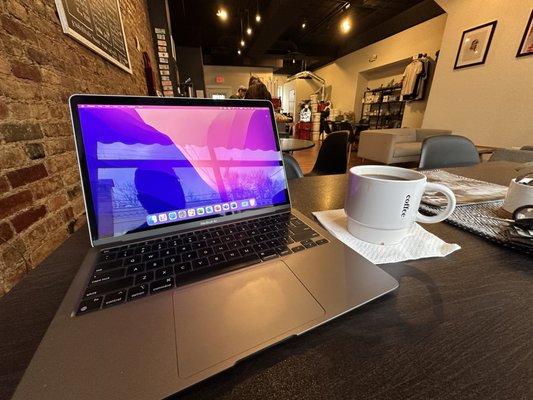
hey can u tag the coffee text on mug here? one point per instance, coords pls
(406, 205)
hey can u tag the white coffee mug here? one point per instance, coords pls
(382, 202)
(518, 195)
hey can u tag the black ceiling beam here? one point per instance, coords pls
(277, 18)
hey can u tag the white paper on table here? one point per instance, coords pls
(418, 243)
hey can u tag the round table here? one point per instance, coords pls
(287, 144)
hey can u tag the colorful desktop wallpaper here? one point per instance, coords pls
(144, 160)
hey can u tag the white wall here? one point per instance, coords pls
(239, 76)
(492, 104)
(345, 74)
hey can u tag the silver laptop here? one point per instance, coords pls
(197, 258)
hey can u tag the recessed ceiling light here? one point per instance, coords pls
(248, 31)
(222, 14)
(257, 18)
(242, 43)
(293, 61)
(304, 25)
(346, 25)
(239, 52)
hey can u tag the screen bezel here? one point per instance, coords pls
(78, 99)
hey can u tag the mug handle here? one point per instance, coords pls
(441, 216)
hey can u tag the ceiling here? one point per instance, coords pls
(279, 39)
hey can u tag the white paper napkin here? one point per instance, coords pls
(419, 243)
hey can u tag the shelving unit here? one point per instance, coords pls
(382, 107)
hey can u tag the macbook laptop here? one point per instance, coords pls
(197, 258)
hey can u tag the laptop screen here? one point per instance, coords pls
(154, 165)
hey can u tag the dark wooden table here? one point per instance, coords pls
(457, 328)
(289, 144)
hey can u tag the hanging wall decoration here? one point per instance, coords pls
(526, 45)
(474, 46)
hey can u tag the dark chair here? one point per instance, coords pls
(444, 151)
(333, 155)
(292, 168)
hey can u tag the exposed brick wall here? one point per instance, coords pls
(40, 67)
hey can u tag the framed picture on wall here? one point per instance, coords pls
(474, 46)
(526, 45)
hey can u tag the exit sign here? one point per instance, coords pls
(219, 79)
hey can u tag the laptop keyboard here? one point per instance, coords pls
(140, 269)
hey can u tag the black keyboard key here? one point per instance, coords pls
(214, 241)
(163, 272)
(200, 263)
(159, 246)
(321, 241)
(216, 259)
(125, 253)
(154, 264)
(102, 288)
(198, 245)
(246, 251)
(144, 277)
(107, 257)
(232, 254)
(137, 292)
(248, 241)
(108, 265)
(107, 276)
(295, 249)
(283, 250)
(135, 269)
(219, 248)
(162, 285)
(89, 305)
(133, 260)
(142, 250)
(183, 248)
(172, 260)
(227, 238)
(150, 256)
(203, 235)
(234, 245)
(167, 252)
(189, 256)
(112, 299)
(205, 252)
(268, 255)
(309, 244)
(183, 268)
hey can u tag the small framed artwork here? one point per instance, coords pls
(526, 45)
(474, 46)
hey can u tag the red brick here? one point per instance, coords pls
(4, 185)
(16, 28)
(37, 55)
(26, 71)
(6, 232)
(3, 109)
(18, 201)
(26, 175)
(27, 218)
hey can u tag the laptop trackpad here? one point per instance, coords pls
(238, 314)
